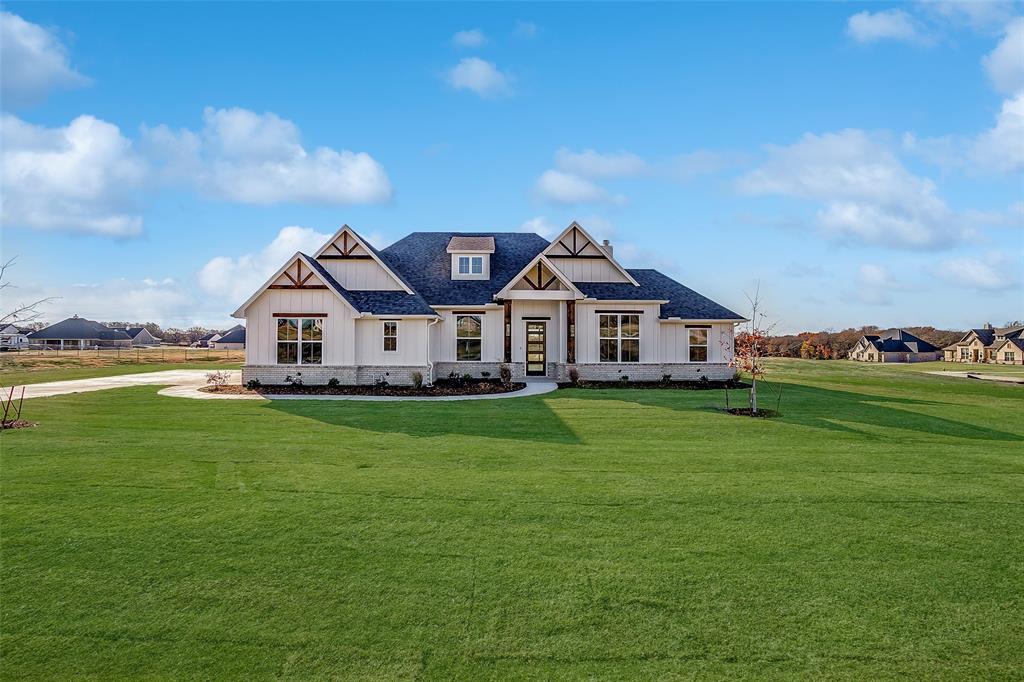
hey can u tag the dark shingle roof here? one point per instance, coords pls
(900, 341)
(79, 328)
(236, 335)
(683, 302)
(375, 302)
(423, 260)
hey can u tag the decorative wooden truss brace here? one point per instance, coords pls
(297, 277)
(570, 332)
(508, 331)
(540, 278)
(575, 244)
(345, 246)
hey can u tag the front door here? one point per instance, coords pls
(536, 349)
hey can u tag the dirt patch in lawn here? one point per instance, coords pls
(746, 412)
(440, 388)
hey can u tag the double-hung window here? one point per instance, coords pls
(698, 342)
(390, 336)
(619, 337)
(471, 265)
(300, 340)
(1008, 356)
(468, 333)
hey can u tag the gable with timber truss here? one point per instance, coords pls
(540, 277)
(581, 259)
(356, 265)
(297, 275)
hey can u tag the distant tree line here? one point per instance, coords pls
(171, 335)
(829, 345)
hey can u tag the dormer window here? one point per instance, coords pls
(471, 256)
(471, 265)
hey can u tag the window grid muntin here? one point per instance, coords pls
(619, 337)
(300, 340)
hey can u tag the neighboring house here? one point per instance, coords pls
(1010, 351)
(12, 336)
(232, 339)
(205, 341)
(894, 345)
(140, 336)
(78, 332)
(443, 303)
(982, 345)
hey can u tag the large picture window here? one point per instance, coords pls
(468, 332)
(619, 337)
(300, 340)
(390, 336)
(698, 338)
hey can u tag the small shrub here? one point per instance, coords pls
(381, 382)
(333, 382)
(624, 379)
(216, 379)
(294, 380)
(485, 374)
(253, 384)
(467, 377)
(417, 379)
(455, 379)
(574, 376)
(666, 378)
(703, 380)
(505, 373)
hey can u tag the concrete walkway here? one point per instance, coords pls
(978, 375)
(185, 383)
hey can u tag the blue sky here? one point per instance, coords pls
(861, 161)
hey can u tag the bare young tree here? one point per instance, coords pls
(23, 313)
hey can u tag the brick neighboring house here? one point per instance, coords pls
(436, 303)
(999, 346)
(894, 345)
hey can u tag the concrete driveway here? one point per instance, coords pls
(190, 378)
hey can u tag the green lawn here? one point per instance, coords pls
(875, 531)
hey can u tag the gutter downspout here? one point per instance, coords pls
(430, 364)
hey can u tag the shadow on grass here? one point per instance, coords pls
(525, 419)
(816, 408)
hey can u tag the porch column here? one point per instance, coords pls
(508, 330)
(570, 332)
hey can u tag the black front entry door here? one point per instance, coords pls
(536, 349)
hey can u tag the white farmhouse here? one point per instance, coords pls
(435, 303)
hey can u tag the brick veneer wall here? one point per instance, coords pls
(399, 375)
(650, 371)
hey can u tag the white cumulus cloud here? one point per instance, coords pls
(540, 225)
(473, 37)
(1005, 64)
(865, 193)
(566, 188)
(890, 24)
(252, 158)
(234, 278)
(996, 271)
(479, 76)
(33, 61)
(84, 177)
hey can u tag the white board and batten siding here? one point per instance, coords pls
(361, 274)
(588, 270)
(411, 342)
(492, 346)
(261, 325)
(675, 341)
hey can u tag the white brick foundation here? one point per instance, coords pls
(315, 375)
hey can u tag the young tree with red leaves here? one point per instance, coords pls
(751, 346)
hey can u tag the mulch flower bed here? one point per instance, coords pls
(745, 412)
(440, 388)
(17, 424)
(671, 385)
